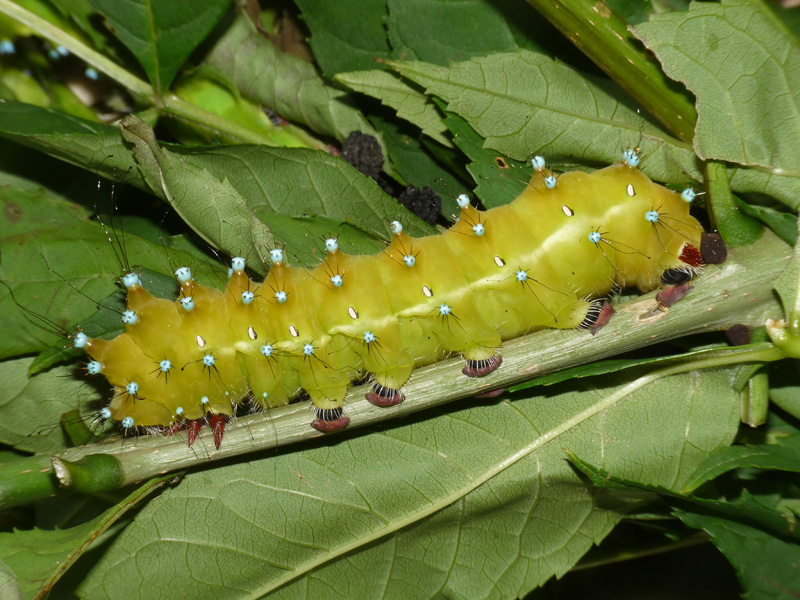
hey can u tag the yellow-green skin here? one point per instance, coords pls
(544, 232)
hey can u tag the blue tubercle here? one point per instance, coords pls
(105, 413)
(179, 411)
(276, 255)
(336, 280)
(409, 260)
(132, 388)
(130, 280)
(7, 47)
(208, 360)
(688, 194)
(631, 156)
(550, 181)
(595, 237)
(129, 317)
(204, 400)
(94, 367)
(369, 337)
(165, 365)
(238, 264)
(521, 276)
(266, 350)
(280, 296)
(397, 227)
(479, 229)
(444, 310)
(463, 201)
(80, 340)
(127, 422)
(247, 297)
(331, 244)
(308, 349)
(183, 274)
(187, 303)
(651, 216)
(91, 74)
(538, 162)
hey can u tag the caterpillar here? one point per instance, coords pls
(546, 260)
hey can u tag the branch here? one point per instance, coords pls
(740, 291)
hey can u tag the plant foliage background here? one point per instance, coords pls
(240, 123)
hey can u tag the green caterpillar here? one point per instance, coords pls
(541, 261)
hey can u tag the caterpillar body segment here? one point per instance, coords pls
(536, 263)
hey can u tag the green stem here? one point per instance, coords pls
(755, 400)
(736, 228)
(79, 49)
(738, 291)
(604, 37)
(26, 479)
(193, 114)
(758, 353)
(667, 545)
(169, 103)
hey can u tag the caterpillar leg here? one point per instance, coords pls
(482, 367)
(329, 419)
(193, 427)
(675, 286)
(599, 314)
(388, 381)
(384, 397)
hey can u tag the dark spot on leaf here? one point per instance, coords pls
(12, 212)
(501, 162)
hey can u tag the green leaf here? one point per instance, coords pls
(784, 456)
(31, 554)
(83, 15)
(32, 407)
(784, 224)
(413, 30)
(414, 162)
(745, 509)
(785, 333)
(784, 387)
(60, 265)
(612, 366)
(225, 221)
(9, 586)
(255, 188)
(745, 72)
(483, 493)
(410, 104)
(210, 90)
(767, 566)
(525, 103)
(83, 143)
(736, 228)
(342, 43)
(416, 30)
(499, 179)
(284, 82)
(161, 35)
